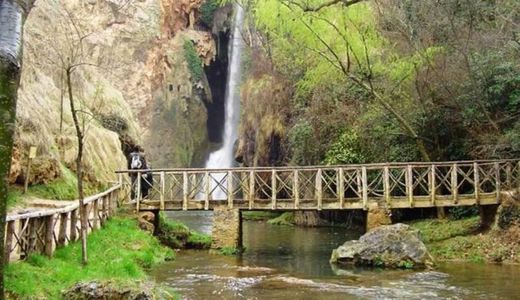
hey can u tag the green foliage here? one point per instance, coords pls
(406, 264)
(193, 60)
(229, 251)
(177, 235)
(285, 219)
(345, 150)
(14, 197)
(259, 215)
(302, 143)
(119, 252)
(63, 188)
(462, 212)
(207, 9)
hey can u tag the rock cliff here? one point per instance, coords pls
(134, 86)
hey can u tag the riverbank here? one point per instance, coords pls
(462, 240)
(120, 252)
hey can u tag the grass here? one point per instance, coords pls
(460, 240)
(14, 197)
(229, 251)
(119, 252)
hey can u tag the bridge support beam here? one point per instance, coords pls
(488, 214)
(227, 228)
(377, 216)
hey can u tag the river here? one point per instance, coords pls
(282, 262)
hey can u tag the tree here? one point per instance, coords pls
(12, 17)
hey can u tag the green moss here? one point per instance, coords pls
(119, 252)
(286, 219)
(177, 235)
(64, 188)
(193, 60)
(259, 215)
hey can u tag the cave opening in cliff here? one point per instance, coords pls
(217, 73)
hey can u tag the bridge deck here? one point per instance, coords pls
(395, 185)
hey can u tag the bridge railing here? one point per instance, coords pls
(396, 185)
(43, 231)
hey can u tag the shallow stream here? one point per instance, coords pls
(282, 262)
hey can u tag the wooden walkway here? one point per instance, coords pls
(41, 232)
(392, 185)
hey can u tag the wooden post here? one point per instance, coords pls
(409, 185)
(476, 179)
(62, 236)
(296, 189)
(359, 184)
(137, 204)
(341, 188)
(207, 190)
(497, 182)
(32, 235)
(95, 212)
(49, 235)
(73, 224)
(230, 188)
(274, 189)
(386, 185)
(508, 175)
(319, 195)
(454, 184)
(364, 187)
(163, 188)
(252, 192)
(185, 186)
(31, 156)
(9, 234)
(433, 185)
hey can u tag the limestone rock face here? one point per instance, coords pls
(392, 246)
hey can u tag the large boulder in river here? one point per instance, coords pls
(391, 246)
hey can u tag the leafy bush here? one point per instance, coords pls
(194, 61)
(346, 150)
(207, 10)
(462, 212)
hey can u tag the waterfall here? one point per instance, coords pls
(223, 157)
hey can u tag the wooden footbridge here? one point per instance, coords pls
(390, 185)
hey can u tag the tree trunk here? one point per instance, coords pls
(79, 171)
(11, 21)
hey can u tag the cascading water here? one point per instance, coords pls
(223, 157)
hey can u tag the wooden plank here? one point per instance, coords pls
(497, 182)
(409, 185)
(476, 182)
(9, 236)
(49, 236)
(252, 192)
(433, 184)
(274, 189)
(364, 187)
(359, 184)
(341, 187)
(185, 186)
(386, 185)
(62, 234)
(454, 183)
(230, 189)
(162, 182)
(296, 189)
(207, 190)
(319, 193)
(32, 236)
